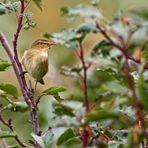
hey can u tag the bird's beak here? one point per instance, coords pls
(52, 43)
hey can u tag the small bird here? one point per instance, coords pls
(35, 59)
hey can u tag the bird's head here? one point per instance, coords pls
(43, 44)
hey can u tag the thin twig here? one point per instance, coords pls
(9, 125)
(84, 80)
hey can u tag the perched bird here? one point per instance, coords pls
(35, 59)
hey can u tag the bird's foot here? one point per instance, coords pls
(23, 73)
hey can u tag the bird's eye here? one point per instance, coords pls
(45, 43)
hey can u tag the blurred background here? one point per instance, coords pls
(50, 20)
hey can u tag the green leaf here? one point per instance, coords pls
(65, 136)
(17, 107)
(72, 143)
(9, 89)
(109, 75)
(38, 139)
(67, 37)
(102, 47)
(101, 114)
(60, 109)
(2, 9)
(142, 92)
(46, 140)
(54, 90)
(28, 21)
(38, 3)
(7, 134)
(81, 10)
(4, 65)
(87, 28)
(9, 7)
(141, 13)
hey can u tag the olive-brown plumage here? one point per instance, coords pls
(35, 59)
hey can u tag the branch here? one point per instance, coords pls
(17, 71)
(104, 33)
(9, 125)
(84, 78)
(19, 27)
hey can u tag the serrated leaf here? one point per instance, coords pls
(81, 10)
(9, 89)
(38, 3)
(4, 65)
(54, 90)
(101, 114)
(65, 136)
(60, 109)
(7, 134)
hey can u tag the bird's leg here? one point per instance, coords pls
(23, 73)
(31, 88)
(35, 86)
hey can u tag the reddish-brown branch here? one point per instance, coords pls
(85, 134)
(19, 27)
(131, 83)
(84, 78)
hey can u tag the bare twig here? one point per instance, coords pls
(9, 125)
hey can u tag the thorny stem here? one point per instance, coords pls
(9, 125)
(131, 83)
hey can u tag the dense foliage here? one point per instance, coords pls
(109, 105)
